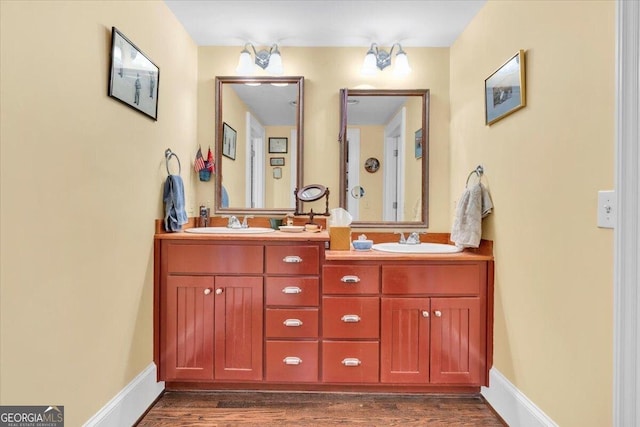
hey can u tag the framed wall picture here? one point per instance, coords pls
(276, 161)
(278, 145)
(504, 90)
(229, 139)
(277, 173)
(418, 144)
(134, 78)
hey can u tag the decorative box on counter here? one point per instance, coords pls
(339, 238)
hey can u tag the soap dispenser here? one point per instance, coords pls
(203, 219)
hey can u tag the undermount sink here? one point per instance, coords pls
(421, 248)
(226, 230)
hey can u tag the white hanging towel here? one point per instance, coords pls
(474, 205)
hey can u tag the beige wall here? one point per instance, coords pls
(234, 179)
(278, 192)
(544, 165)
(81, 185)
(326, 70)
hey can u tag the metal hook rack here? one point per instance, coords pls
(167, 156)
(479, 171)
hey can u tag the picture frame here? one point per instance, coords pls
(276, 161)
(505, 90)
(134, 79)
(277, 173)
(418, 144)
(229, 139)
(278, 145)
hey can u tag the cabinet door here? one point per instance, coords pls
(188, 343)
(456, 341)
(404, 340)
(238, 328)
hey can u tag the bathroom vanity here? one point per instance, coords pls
(279, 311)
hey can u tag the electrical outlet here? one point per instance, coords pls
(607, 209)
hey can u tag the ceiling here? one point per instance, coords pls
(416, 23)
(413, 23)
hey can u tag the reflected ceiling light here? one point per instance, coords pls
(269, 60)
(379, 59)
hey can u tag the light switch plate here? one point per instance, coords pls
(607, 209)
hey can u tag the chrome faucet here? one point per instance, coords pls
(244, 221)
(233, 222)
(413, 239)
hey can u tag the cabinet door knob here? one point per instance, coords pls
(292, 259)
(207, 291)
(438, 313)
(351, 361)
(425, 313)
(350, 279)
(291, 290)
(219, 291)
(350, 318)
(292, 360)
(292, 322)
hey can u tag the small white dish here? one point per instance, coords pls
(292, 228)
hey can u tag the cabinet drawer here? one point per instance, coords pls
(285, 323)
(351, 317)
(292, 291)
(350, 362)
(223, 259)
(450, 279)
(293, 260)
(292, 361)
(350, 279)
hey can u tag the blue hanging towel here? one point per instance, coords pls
(174, 213)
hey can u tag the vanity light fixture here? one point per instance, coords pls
(269, 60)
(379, 59)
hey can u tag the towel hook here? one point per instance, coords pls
(479, 171)
(167, 155)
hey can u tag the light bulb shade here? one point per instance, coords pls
(369, 67)
(401, 67)
(275, 64)
(245, 64)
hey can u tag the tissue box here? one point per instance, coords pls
(340, 238)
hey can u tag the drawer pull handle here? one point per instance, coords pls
(219, 291)
(425, 313)
(292, 360)
(292, 322)
(351, 361)
(350, 318)
(207, 291)
(291, 290)
(292, 259)
(438, 313)
(350, 279)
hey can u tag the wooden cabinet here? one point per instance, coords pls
(238, 328)
(211, 321)
(188, 341)
(292, 314)
(278, 315)
(439, 339)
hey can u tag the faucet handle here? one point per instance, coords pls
(244, 221)
(402, 239)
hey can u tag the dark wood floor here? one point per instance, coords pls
(318, 409)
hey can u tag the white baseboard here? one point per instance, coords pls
(512, 405)
(132, 401)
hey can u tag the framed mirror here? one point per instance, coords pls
(255, 118)
(384, 158)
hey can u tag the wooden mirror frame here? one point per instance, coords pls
(344, 96)
(220, 81)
